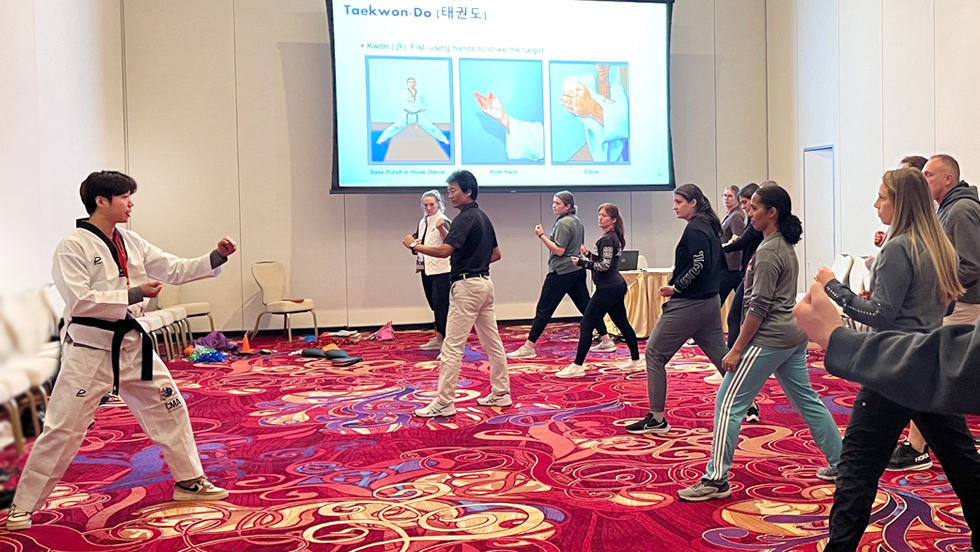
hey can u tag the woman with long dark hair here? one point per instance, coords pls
(912, 280)
(564, 277)
(693, 309)
(610, 291)
(770, 341)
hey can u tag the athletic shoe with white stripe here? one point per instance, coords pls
(649, 424)
(494, 399)
(436, 409)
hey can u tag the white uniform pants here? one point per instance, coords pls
(402, 122)
(471, 305)
(86, 376)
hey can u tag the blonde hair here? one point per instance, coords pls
(914, 215)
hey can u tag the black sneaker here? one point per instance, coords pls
(752, 415)
(649, 424)
(906, 458)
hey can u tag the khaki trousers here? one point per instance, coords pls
(471, 306)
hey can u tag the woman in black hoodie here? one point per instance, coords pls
(693, 310)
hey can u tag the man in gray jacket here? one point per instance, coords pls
(959, 212)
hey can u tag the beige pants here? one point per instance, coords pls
(963, 313)
(86, 375)
(471, 305)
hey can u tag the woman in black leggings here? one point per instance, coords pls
(564, 278)
(610, 291)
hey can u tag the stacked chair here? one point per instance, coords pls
(30, 354)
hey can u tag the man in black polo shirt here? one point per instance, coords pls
(472, 246)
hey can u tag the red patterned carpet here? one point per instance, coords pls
(324, 458)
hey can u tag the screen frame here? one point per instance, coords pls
(336, 188)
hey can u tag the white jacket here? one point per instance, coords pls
(433, 265)
(89, 281)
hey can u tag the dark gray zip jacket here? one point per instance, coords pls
(959, 212)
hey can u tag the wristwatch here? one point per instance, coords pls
(412, 247)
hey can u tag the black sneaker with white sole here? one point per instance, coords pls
(649, 424)
(752, 415)
(906, 458)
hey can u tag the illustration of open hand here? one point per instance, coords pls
(579, 101)
(492, 106)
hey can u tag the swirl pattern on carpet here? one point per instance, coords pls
(319, 457)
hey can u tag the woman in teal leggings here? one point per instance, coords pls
(769, 342)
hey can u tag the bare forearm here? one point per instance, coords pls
(552, 246)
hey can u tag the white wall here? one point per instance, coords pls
(228, 120)
(878, 80)
(61, 117)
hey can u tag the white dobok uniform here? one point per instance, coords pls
(525, 140)
(93, 286)
(413, 105)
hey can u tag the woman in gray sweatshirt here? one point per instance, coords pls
(912, 281)
(769, 342)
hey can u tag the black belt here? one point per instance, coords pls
(466, 275)
(119, 329)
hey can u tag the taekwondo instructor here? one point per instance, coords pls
(106, 275)
(472, 246)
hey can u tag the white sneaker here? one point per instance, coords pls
(604, 347)
(494, 399)
(638, 365)
(434, 344)
(714, 379)
(18, 520)
(526, 351)
(199, 489)
(572, 371)
(436, 409)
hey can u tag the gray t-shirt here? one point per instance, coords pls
(904, 294)
(770, 294)
(568, 233)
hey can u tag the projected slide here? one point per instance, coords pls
(508, 90)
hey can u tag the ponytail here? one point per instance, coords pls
(618, 226)
(773, 196)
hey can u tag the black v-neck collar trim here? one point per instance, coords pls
(86, 225)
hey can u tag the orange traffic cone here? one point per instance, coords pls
(246, 348)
